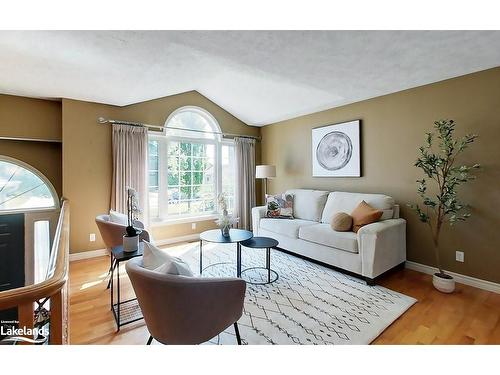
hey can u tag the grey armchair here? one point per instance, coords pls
(112, 235)
(182, 310)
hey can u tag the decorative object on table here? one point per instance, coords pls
(364, 214)
(279, 206)
(439, 165)
(225, 222)
(265, 172)
(336, 150)
(131, 238)
(341, 222)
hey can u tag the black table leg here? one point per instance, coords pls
(118, 294)
(110, 272)
(238, 259)
(201, 257)
(111, 280)
(268, 264)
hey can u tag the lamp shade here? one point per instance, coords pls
(265, 171)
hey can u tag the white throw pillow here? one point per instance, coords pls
(157, 260)
(176, 267)
(118, 217)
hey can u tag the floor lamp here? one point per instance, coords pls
(265, 172)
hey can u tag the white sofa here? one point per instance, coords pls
(376, 247)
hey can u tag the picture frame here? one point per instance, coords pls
(336, 150)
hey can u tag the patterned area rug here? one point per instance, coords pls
(308, 304)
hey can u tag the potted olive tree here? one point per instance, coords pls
(440, 206)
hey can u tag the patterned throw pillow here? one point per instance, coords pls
(279, 206)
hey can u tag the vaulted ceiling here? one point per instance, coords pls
(259, 76)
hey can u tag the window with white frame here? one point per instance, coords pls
(189, 166)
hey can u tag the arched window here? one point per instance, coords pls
(198, 123)
(23, 188)
(189, 165)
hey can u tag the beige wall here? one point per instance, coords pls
(45, 157)
(33, 118)
(87, 158)
(392, 128)
(87, 168)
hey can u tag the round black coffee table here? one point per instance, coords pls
(262, 243)
(235, 236)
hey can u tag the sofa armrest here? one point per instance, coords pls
(382, 246)
(257, 214)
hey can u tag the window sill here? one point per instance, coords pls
(183, 220)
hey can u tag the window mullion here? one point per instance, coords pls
(163, 176)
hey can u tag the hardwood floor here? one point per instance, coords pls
(468, 316)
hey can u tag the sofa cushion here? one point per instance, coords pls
(323, 234)
(308, 204)
(289, 228)
(346, 202)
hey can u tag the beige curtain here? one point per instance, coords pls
(130, 157)
(245, 181)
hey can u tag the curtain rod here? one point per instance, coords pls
(30, 139)
(102, 120)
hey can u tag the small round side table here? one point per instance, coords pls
(262, 243)
(235, 235)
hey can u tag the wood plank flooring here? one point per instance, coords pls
(468, 316)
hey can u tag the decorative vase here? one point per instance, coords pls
(445, 284)
(130, 244)
(225, 231)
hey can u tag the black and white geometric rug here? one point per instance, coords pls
(308, 304)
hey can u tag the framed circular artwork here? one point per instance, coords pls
(336, 150)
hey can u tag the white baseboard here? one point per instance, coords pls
(462, 279)
(102, 252)
(88, 254)
(187, 238)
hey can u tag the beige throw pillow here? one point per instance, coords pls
(341, 222)
(364, 214)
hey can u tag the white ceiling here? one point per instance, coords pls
(258, 76)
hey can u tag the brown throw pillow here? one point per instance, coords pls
(364, 214)
(341, 222)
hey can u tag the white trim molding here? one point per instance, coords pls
(459, 278)
(88, 254)
(169, 241)
(102, 252)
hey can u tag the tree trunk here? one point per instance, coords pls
(435, 239)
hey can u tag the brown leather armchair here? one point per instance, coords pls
(112, 235)
(186, 310)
